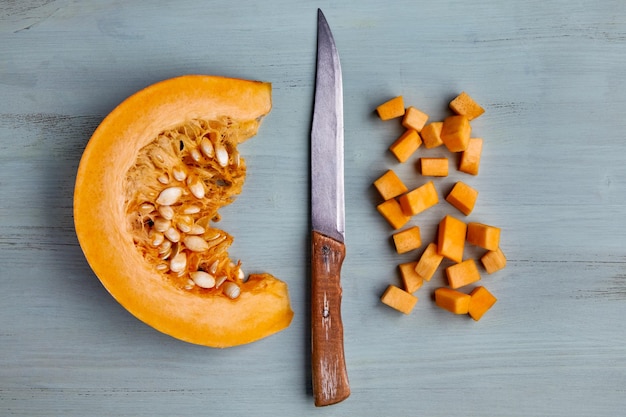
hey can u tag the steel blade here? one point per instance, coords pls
(327, 184)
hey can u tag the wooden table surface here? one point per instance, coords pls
(552, 78)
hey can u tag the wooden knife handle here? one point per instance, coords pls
(330, 379)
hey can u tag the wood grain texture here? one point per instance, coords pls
(328, 362)
(551, 75)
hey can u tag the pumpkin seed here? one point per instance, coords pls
(220, 281)
(216, 241)
(156, 238)
(169, 196)
(240, 275)
(195, 155)
(232, 290)
(213, 267)
(202, 279)
(172, 234)
(183, 227)
(197, 189)
(176, 248)
(146, 208)
(191, 209)
(195, 243)
(212, 234)
(196, 229)
(161, 224)
(207, 147)
(221, 154)
(184, 223)
(178, 262)
(165, 254)
(165, 246)
(179, 174)
(158, 157)
(167, 212)
(164, 178)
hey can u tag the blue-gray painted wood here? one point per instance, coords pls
(552, 78)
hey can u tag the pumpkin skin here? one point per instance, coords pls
(209, 319)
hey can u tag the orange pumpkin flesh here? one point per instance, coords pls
(149, 143)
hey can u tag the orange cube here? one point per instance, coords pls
(462, 274)
(454, 301)
(463, 197)
(483, 235)
(391, 109)
(389, 185)
(428, 262)
(414, 119)
(451, 238)
(493, 261)
(399, 299)
(406, 145)
(419, 199)
(480, 302)
(465, 105)
(455, 133)
(392, 212)
(470, 158)
(431, 135)
(407, 240)
(434, 167)
(412, 282)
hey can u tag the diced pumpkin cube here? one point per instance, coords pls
(480, 302)
(455, 133)
(407, 240)
(431, 135)
(493, 261)
(391, 109)
(462, 274)
(419, 199)
(483, 235)
(412, 282)
(389, 185)
(454, 301)
(451, 238)
(414, 119)
(434, 167)
(399, 299)
(465, 105)
(470, 158)
(406, 145)
(428, 262)
(463, 197)
(392, 212)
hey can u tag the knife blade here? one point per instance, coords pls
(330, 378)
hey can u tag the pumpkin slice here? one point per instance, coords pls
(148, 189)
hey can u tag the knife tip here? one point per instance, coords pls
(321, 19)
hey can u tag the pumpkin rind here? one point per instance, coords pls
(263, 308)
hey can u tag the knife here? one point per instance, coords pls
(330, 379)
